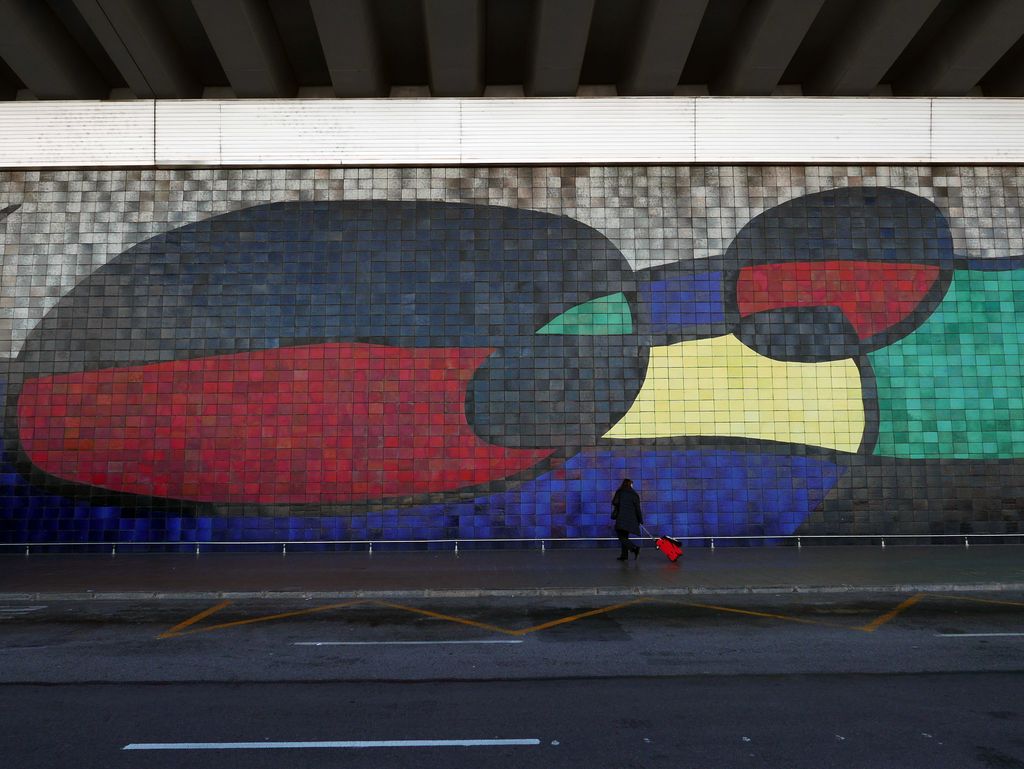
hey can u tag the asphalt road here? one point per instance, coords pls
(759, 681)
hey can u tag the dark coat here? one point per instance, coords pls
(626, 511)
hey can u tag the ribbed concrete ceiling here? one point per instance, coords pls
(89, 49)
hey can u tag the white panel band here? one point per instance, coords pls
(977, 130)
(447, 132)
(780, 130)
(48, 134)
(588, 131)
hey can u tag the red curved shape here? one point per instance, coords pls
(297, 425)
(872, 295)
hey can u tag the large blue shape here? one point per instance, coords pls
(688, 493)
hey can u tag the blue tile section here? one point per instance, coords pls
(682, 300)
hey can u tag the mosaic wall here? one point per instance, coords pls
(352, 354)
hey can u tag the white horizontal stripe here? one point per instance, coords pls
(450, 132)
(84, 133)
(405, 643)
(976, 635)
(773, 130)
(513, 131)
(329, 744)
(989, 131)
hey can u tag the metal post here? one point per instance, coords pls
(712, 543)
(113, 550)
(197, 548)
(456, 547)
(883, 543)
(799, 544)
(284, 548)
(27, 550)
(542, 546)
(371, 548)
(966, 543)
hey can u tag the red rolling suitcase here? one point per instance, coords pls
(672, 548)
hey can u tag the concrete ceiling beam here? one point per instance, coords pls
(455, 46)
(349, 41)
(966, 49)
(560, 32)
(1007, 79)
(245, 39)
(664, 39)
(880, 30)
(769, 33)
(141, 47)
(44, 55)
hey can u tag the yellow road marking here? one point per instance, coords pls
(185, 627)
(194, 619)
(978, 600)
(876, 623)
(253, 620)
(448, 617)
(766, 615)
(574, 617)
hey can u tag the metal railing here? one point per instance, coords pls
(539, 543)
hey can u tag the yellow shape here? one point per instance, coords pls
(721, 387)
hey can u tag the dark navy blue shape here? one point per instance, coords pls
(807, 334)
(408, 274)
(849, 223)
(557, 390)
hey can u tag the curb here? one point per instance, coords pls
(541, 592)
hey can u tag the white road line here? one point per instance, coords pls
(976, 635)
(20, 609)
(330, 744)
(406, 643)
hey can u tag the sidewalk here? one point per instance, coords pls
(821, 569)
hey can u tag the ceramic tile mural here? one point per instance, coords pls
(480, 353)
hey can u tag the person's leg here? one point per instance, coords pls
(623, 536)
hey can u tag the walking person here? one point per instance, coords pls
(628, 517)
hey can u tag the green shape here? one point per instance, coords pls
(602, 316)
(953, 388)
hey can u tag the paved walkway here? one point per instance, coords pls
(513, 572)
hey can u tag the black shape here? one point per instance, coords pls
(8, 210)
(410, 274)
(555, 391)
(885, 495)
(847, 224)
(806, 334)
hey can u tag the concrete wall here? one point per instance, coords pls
(351, 354)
